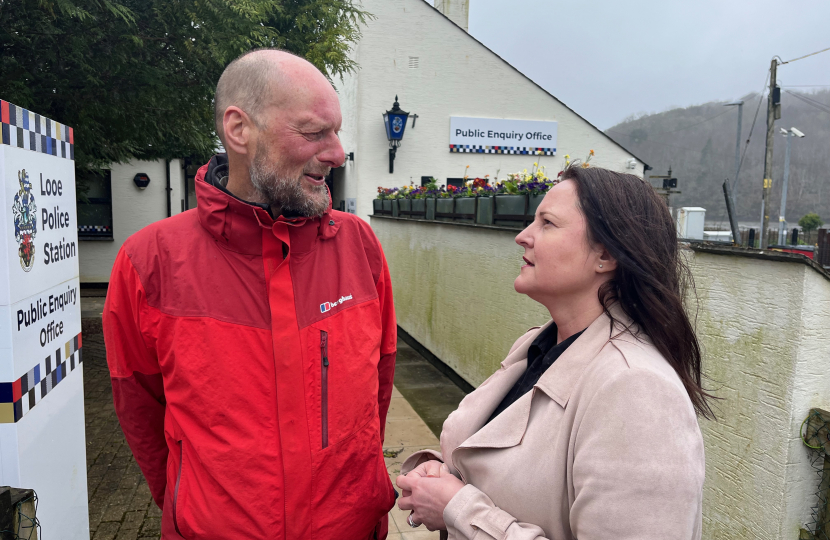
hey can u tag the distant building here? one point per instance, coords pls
(423, 55)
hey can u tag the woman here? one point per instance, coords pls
(589, 430)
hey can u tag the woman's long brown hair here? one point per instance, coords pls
(626, 216)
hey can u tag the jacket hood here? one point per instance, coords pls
(236, 223)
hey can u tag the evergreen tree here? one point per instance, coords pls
(135, 78)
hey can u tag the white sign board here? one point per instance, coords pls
(500, 136)
(42, 440)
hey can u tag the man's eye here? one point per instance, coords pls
(314, 136)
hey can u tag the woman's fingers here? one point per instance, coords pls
(405, 503)
(406, 482)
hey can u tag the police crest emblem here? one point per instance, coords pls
(25, 221)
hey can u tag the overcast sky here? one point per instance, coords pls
(608, 59)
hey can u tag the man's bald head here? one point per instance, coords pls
(256, 80)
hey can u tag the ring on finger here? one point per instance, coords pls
(412, 523)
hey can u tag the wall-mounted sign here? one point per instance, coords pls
(500, 136)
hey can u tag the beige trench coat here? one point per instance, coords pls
(605, 447)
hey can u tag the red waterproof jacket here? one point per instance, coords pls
(252, 362)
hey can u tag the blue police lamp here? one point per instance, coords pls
(395, 122)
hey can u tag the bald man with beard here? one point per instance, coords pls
(251, 341)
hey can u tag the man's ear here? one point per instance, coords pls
(606, 262)
(238, 130)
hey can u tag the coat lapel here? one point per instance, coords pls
(477, 407)
(508, 428)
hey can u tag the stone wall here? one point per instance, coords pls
(761, 324)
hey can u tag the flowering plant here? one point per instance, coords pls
(388, 193)
(576, 163)
(430, 190)
(535, 182)
(477, 187)
(448, 192)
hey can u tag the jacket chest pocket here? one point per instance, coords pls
(344, 371)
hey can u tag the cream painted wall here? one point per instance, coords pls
(457, 76)
(761, 324)
(132, 210)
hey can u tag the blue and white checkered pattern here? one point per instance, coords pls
(24, 129)
(518, 150)
(19, 397)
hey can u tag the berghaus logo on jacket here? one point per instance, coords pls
(327, 306)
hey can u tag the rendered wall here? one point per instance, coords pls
(762, 326)
(132, 210)
(456, 76)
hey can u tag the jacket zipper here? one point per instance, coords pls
(176, 490)
(324, 385)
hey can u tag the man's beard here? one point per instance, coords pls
(284, 193)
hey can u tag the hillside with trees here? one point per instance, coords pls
(698, 143)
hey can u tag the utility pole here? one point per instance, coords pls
(782, 223)
(773, 113)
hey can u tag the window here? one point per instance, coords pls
(94, 191)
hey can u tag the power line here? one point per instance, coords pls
(805, 56)
(809, 99)
(693, 125)
(817, 105)
(805, 86)
(751, 129)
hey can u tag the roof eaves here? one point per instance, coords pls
(646, 165)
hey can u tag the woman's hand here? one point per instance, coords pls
(427, 490)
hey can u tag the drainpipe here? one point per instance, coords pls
(185, 163)
(169, 189)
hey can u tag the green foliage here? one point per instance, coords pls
(136, 78)
(810, 222)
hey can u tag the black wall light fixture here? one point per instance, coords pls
(395, 122)
(141, 180)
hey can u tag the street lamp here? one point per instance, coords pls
(782, 224)
(395, 122)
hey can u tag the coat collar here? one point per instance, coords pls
(508, 428)
(238, 224)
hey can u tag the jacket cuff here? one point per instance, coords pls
(421, 456)
(470, 511)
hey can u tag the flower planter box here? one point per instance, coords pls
(390, 207)
(444, 209)
(382, 207)
(404, 207)
(511, 211)
(412, 208)
(430, 208)
(465, 209)
(484, 211)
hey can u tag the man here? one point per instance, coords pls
(251, 341)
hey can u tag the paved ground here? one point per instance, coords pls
(120, 506)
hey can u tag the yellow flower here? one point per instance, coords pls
(535, 164)
(567, 157)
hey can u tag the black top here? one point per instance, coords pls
(542, 353)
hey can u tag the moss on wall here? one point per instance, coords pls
(759, 325)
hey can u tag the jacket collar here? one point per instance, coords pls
(508, 428)
(238, 224)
